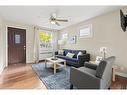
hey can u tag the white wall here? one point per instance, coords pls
(106, 32)
(2, 45)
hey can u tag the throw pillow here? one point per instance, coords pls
(70, 55)
(80, 53)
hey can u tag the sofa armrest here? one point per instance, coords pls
(56, 53)
(90, 65)
(83, 80)
(83, 58)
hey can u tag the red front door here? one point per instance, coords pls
(16, 45)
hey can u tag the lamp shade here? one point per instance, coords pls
(103, 50)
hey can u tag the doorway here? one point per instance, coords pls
(16, 45)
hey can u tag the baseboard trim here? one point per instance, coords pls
(1, 70)
(121, 74)
(30, 62)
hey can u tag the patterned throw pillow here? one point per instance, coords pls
(70, 55)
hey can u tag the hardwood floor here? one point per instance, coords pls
(22, 76)
(120, 83)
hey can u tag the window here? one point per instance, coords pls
(85, 31)
(17, 39)
(65, 36)
(45, 49)
(45, 39)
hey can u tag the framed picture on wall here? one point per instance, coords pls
(72, 40)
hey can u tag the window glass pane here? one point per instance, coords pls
(85, 32)
(17, 39)
(45, 37)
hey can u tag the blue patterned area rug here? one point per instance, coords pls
(58, 81)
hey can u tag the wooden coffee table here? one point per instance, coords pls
(56, 63)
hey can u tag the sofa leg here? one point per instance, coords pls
(71, 86)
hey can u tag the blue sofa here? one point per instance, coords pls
(76, 62)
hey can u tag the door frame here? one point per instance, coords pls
(13, 26)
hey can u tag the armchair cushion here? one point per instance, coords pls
(90, 65)
(82, 79)
(87, 70)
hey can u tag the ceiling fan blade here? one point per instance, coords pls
(57, 24)
(62, 20)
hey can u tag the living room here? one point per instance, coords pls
(85, 39)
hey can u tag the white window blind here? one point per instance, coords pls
(85, 31)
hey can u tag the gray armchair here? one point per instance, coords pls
(88, 78)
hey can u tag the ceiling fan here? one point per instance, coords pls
(54, 20)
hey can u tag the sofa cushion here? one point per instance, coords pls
(61, 56)
(100, 69)
(73, 51)
(66, 51)
(77, 51)
(67, 58)
(73, 59)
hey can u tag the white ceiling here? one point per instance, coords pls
(39, 15)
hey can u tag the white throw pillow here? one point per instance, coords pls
(80, 53)
(70, 55)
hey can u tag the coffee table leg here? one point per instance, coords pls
(45, 63)
(54, 68)
(65, 65)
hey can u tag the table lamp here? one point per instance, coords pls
(103, 50)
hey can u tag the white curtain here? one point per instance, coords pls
(54, 41)
(36, 45)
